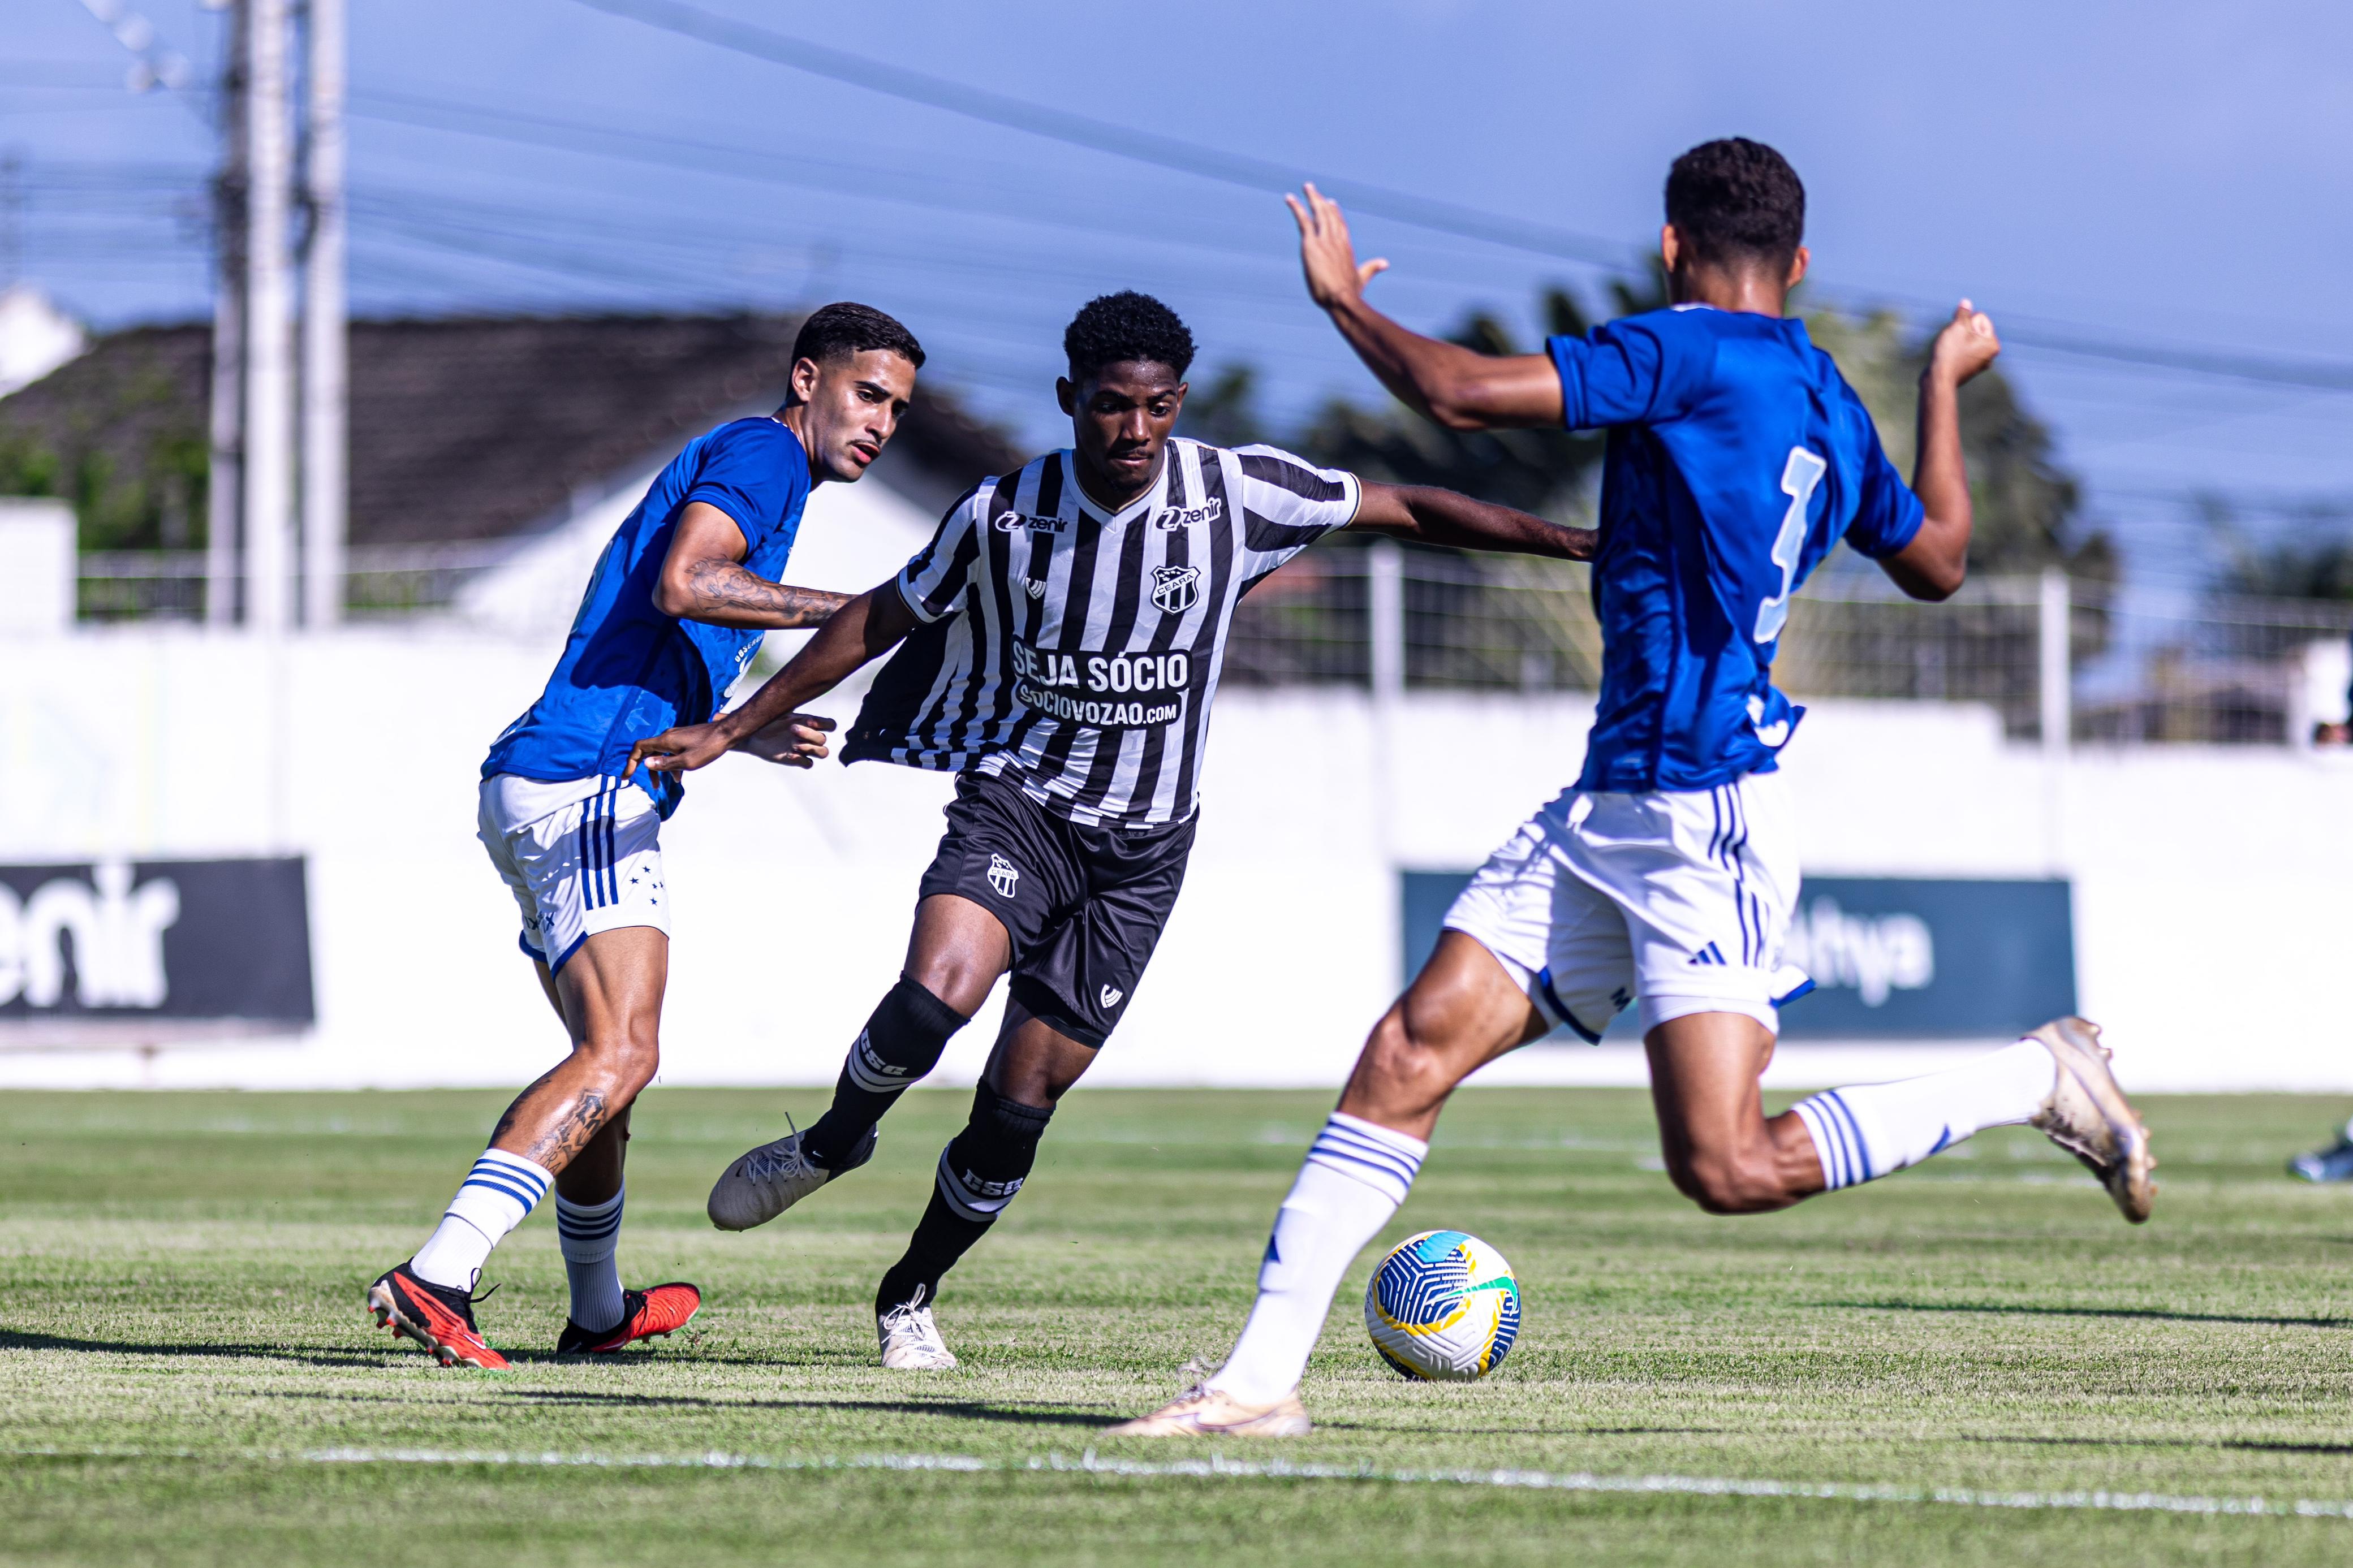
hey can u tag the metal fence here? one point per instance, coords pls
(379, 581)
(2207, 669)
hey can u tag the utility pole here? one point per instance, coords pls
(223, 501)
(325, 385)
(269, 348)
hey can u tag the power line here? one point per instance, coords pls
(1447, 217)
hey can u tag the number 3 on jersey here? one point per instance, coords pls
(1799, 477)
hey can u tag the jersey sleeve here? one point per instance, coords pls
(1288, 504)
(935, 578)
(1887, 515)
(1623, 373)
(749, 472)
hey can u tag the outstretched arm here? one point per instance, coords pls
(866, 627)
(1934, 564)
(1430, 516)
(703, 579)
(1457, 387)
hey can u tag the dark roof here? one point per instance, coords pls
(473, 428)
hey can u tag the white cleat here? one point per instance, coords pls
(772, 1178)
(1203, 1411)
(2088, 1115)
(910, 1341)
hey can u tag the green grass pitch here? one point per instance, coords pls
(1979, 1359)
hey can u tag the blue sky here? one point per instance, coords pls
(2161, 174)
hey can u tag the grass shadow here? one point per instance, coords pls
(1998, 1309)
(2242, 1445)
(19, 1340)
(959, 1409)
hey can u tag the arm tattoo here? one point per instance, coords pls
(724, 590)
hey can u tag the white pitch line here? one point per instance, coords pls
(1219, 1467)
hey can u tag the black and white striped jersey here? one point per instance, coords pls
(1077, 651)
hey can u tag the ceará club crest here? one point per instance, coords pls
(1175, 589)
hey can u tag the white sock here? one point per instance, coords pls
(588, 1233)
(492, 1200)
(1876, 1130)
(1352, 1181)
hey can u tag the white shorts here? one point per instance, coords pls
(580, 856)
(1678, 898)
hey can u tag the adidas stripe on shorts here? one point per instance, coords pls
(580, 856)
(1678, 900)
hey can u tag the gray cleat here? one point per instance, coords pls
(772, 1178)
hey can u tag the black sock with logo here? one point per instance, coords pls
(980, 1172)
(902, 1041)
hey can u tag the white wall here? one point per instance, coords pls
(2215, 887)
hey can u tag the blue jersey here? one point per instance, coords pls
(1738, 457)
(628, 671)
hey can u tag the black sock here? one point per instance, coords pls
(979, 1173)
(902, 1041)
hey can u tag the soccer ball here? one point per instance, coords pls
(1443, 1307)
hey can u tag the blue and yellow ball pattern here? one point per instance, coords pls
(1443, 1307)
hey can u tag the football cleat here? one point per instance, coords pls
(2088, 1115)
(910, 1341)
(772, 1178)
(645, 1314)
(440, 1318)
(2334, 1163)
(1203, 1411)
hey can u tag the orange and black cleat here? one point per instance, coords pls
(644, 1313)
(437, 1317)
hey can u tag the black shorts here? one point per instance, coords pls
(1084, 906)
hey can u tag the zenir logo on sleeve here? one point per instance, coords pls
(1011, 521)
(1175, 589)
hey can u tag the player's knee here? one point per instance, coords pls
(1728, 1180)
(1405, 1062)
(626, 1055)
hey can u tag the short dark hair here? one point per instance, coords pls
(843, 328)
(1116, 328)
(1736, 201)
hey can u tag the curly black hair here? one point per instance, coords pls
(1737, 202)
(1124, 328)
(844, 328)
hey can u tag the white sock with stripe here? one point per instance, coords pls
(1352, 1181)
(588, 1234)
(1876, 1130)
(492, 1200)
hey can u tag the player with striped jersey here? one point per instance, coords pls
(1059, 643)
(1737, 459)
(675, 609)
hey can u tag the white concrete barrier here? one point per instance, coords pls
(2213, 885)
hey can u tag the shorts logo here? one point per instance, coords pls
(1208, 511)
(1111, 995)
(1175, 589)
(1002, 875)
(1709, 954)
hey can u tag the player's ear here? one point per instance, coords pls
(804, 380)
(1798, 264)
(1066, 394)
(1671, 247)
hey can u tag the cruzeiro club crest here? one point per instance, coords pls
(1002, 875)
(1175, 589)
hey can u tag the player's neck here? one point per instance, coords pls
(1100, 490)
(793, 416)
(1748, 290)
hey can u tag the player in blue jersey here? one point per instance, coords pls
(676, 606)
(1737, 459)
